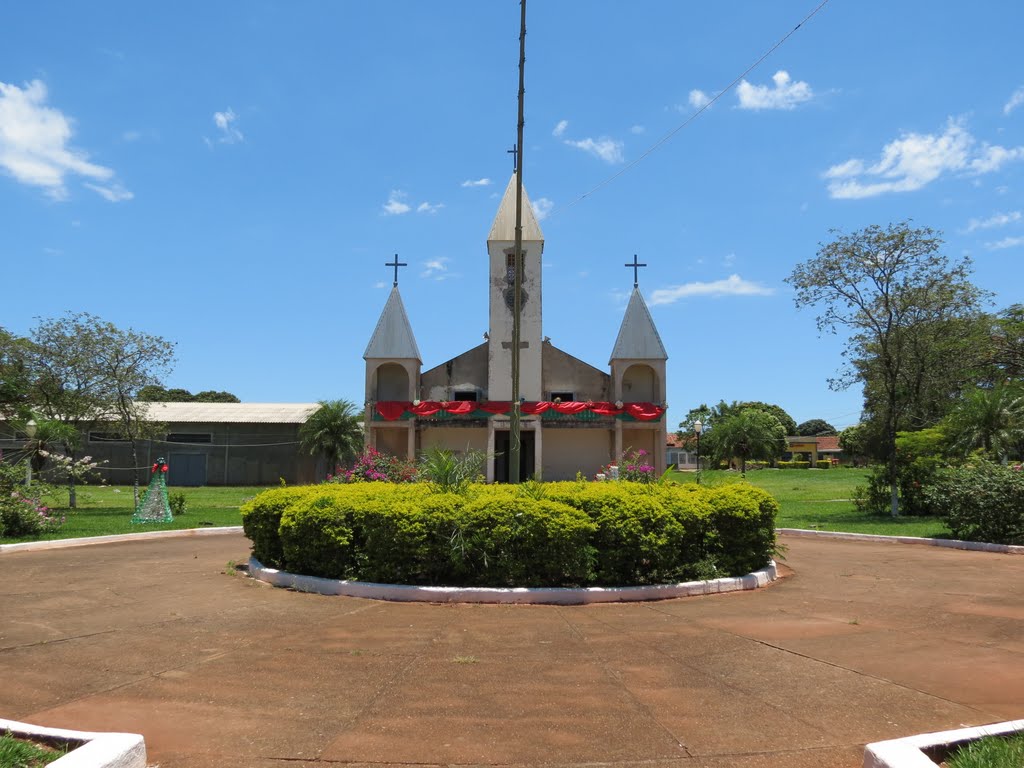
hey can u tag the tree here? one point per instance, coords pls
(334, 430)
(158, 394)
(815, 428)
(49, 434)
(895, 293)
(788, 422)
(88, 371)
(989, 419)
(212, 396)
(749, 434)
(15, 376)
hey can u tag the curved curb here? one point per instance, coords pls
(86, 541)
(95, 750)
(913, 751)
(975, 546)
(511, 595)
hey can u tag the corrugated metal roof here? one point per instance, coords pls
(237, 413)
(393, 337)
(638, 338)
(503, 230)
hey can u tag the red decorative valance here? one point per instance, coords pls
(392, 410)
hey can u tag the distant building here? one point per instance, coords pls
(208, 444)
(815, 449)
(576, 417)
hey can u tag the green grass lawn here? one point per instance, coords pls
(104, 510)
(813, 499)
(822, 499)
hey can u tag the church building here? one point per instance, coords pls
(575, 417)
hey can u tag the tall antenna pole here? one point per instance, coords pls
(515, 446)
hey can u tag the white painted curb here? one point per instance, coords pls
(86, 541)
(909, 752)
(519, 595)
(977, 546)
(96, 750)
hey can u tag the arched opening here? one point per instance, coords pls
(640, 384)
(392, 382)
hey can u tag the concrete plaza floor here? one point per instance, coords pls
(859, 642)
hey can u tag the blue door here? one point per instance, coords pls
(187, 469)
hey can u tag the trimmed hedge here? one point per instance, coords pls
(554, 534)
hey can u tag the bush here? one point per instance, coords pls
(824, 464)
(758, 464)
(920, 456)
(981, 503)
(794, 464)
(570, 534)
(178, 502)
(22, 512)
(374, 466)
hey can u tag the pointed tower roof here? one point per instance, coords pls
(392, 338)
(638, 339)
(504, 227)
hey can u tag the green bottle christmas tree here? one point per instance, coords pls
(154, 507)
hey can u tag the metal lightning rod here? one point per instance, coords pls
(515, 446)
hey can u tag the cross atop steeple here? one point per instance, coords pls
(515, 156)
(635, 265)
(396, 264)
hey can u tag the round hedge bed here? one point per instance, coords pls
(564, 534)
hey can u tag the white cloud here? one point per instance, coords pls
(225, 121)
(605, 148)
(542, 206)
(1006, 242)
(636, 130)
(394, 206)
(915, 160)
(115, 193)
(484, 182)
(1015, 100)
(995, 220)
(436, 269)
(34, 143)
(559, 129)
(429, 207)
(733, 285)
(785, 94)
(699, 99)
(131, 136)
(729, 260)
(380, 284)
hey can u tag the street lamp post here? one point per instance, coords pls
(698, 427)
(30, 432)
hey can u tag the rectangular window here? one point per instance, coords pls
(189, 437)
(565, 397)
(465, 395)
(107, 437)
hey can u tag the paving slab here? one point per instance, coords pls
(858, 642)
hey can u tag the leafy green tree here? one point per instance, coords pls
(335, 431)
(50, 434)
(1008, 344)
(749, 434)
(15, 376)
(899, 297)
(989, 419)
(88, 372)
(212, 396)
(815, 428)
(788, 422)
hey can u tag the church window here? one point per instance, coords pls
(564, 397)
(465, 394)
(189, 437)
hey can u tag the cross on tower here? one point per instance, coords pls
(396, 264)
(635, 265)
(515, 156)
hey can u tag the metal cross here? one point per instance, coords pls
(515, 156)
(396, 264)
(635, 265)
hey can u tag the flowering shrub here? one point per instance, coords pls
(633, 467)
(64, 467)
(22, 512)
(374, 466)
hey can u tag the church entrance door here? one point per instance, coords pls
(526, 455)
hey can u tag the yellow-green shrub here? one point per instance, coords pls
(558, 534)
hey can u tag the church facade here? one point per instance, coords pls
(576, 418)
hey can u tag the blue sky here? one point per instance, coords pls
(233, 175)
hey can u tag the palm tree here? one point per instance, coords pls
(334, 430)
(990, 419)
(749, 434)
(48, 436)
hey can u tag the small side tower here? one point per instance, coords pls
(638, 376)
(393, 366)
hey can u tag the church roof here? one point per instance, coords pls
(504, 227)
(393, 338)
(638, 339)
